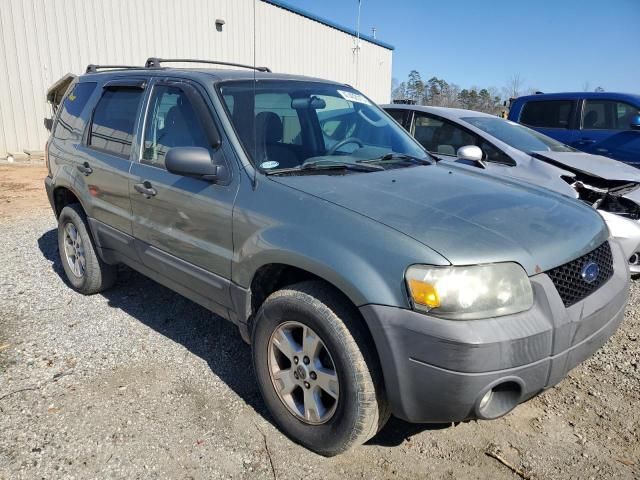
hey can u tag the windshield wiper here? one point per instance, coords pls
(395, 157)
(326, 165)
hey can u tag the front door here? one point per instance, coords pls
(182, 225)
(605, 130)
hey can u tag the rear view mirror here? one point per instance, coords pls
(471, 153)
(635, 123)
(313, 102)
(194, 162)
(48, 123)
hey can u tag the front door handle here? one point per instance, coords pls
(85, 168)
(585, 141)
(146, 189)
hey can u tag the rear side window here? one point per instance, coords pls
(70, 125)
(547, 114)
(607, 115)
(114, 120)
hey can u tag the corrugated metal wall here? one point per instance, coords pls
(41, 40)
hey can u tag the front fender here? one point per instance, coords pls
(363, 258)
(352, 273)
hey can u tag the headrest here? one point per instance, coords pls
(269, 127)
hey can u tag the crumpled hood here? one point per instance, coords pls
(595, 165)
(466, 217)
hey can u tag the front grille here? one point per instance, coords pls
(568, 278)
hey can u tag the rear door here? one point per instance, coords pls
(104, 161)
(555, 118)
(604, 130)
(183, 228)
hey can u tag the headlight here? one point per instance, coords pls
(467, 293)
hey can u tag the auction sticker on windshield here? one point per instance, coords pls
(354, 97)
(270, 164)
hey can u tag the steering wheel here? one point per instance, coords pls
(344, 142)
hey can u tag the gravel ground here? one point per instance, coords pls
(139, 382)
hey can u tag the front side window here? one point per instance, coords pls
(607, 115)
(547, 114)
(516, 135)
(291, 124)
(69, 124)
(114, 120)
(440, 136)
(171, 122)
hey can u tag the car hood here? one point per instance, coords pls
(465, 216)
(595, 165)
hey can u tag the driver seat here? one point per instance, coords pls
(269, 132)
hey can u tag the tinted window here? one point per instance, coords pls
(549, 114)
(114, 120)
(171, 122)
(607, 115)
(69, 124)
(398, 115)
(441, 136)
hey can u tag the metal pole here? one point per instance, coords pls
(358, 46)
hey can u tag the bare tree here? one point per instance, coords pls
(514, 85)
(586, 86)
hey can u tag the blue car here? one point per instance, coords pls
(601, 123)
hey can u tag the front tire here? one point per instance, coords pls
(317, 370)
(85, 270)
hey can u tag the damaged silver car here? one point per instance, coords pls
(505, 148)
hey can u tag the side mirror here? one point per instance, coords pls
(194, 162)
(471, 153)
(635, 123)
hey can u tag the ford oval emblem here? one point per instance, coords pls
(590, 272)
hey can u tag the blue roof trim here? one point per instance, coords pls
(329, 23)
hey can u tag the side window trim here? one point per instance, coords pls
(142, 84)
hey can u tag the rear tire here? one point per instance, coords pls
(85, 270)
(354, 406)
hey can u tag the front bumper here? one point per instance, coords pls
(438, 370)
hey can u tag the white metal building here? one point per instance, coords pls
(41, 40)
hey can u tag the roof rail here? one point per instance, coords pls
(91, 68)
(154, 62)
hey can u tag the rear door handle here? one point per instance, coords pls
(85, 168)
(145, 188)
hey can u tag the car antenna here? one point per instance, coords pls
(255, 128)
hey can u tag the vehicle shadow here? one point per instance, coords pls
(204, 334)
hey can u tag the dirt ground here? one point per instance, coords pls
(139, 382)
(21, 189)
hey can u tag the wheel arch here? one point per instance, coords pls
(63, 196)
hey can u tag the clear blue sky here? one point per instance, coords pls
(555, 45)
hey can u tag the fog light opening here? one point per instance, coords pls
(634, 259)
(499, 400)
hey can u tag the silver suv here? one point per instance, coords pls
(368, 278)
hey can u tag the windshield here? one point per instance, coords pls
(294, 125)
(517, 136)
